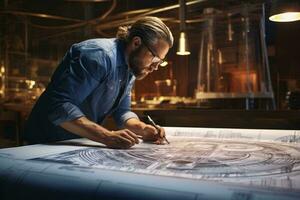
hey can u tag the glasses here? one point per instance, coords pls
(156, 58)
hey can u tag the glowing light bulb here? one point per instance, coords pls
(285, 17)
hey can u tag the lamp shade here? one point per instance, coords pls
(285, 11)
(183, 45)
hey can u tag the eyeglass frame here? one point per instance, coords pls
(153, 54)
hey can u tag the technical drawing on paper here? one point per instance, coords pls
(273, 164)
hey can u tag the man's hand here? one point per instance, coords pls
(121, 139)
(151, 134)
(147, 131)
(114, 139)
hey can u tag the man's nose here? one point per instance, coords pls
(154, 66)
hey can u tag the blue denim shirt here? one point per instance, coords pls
(93, 80)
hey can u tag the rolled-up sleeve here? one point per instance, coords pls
(123, 112)
(77, 76)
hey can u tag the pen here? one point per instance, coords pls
(154, 124)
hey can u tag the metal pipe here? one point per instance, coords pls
(112, 7)
(81, 22)
(182, 11)
(171, 7)
(109, 23)
(41, 15)
(265, 57)
(151, 12)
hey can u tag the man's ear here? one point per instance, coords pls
(136, 42)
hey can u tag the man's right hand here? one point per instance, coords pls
(121, 139)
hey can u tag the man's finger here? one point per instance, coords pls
(162, 132)
(120, 142)
(124, 142)
(133, 135)
(126, 135)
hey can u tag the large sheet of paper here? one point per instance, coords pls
(240, 162)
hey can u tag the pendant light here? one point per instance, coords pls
(183, 46)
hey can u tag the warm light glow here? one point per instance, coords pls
(285, 17)
(163, 64)
(30, 83)
(183, 45)
(183, 53)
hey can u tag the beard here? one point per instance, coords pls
(135, 64)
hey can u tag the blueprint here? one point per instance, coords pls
(237, 159)
(263, 164)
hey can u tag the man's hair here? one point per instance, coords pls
(149, 29)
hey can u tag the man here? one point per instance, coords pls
(94, 80)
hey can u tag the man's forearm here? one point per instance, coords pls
(135, 125)
(86, 128)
